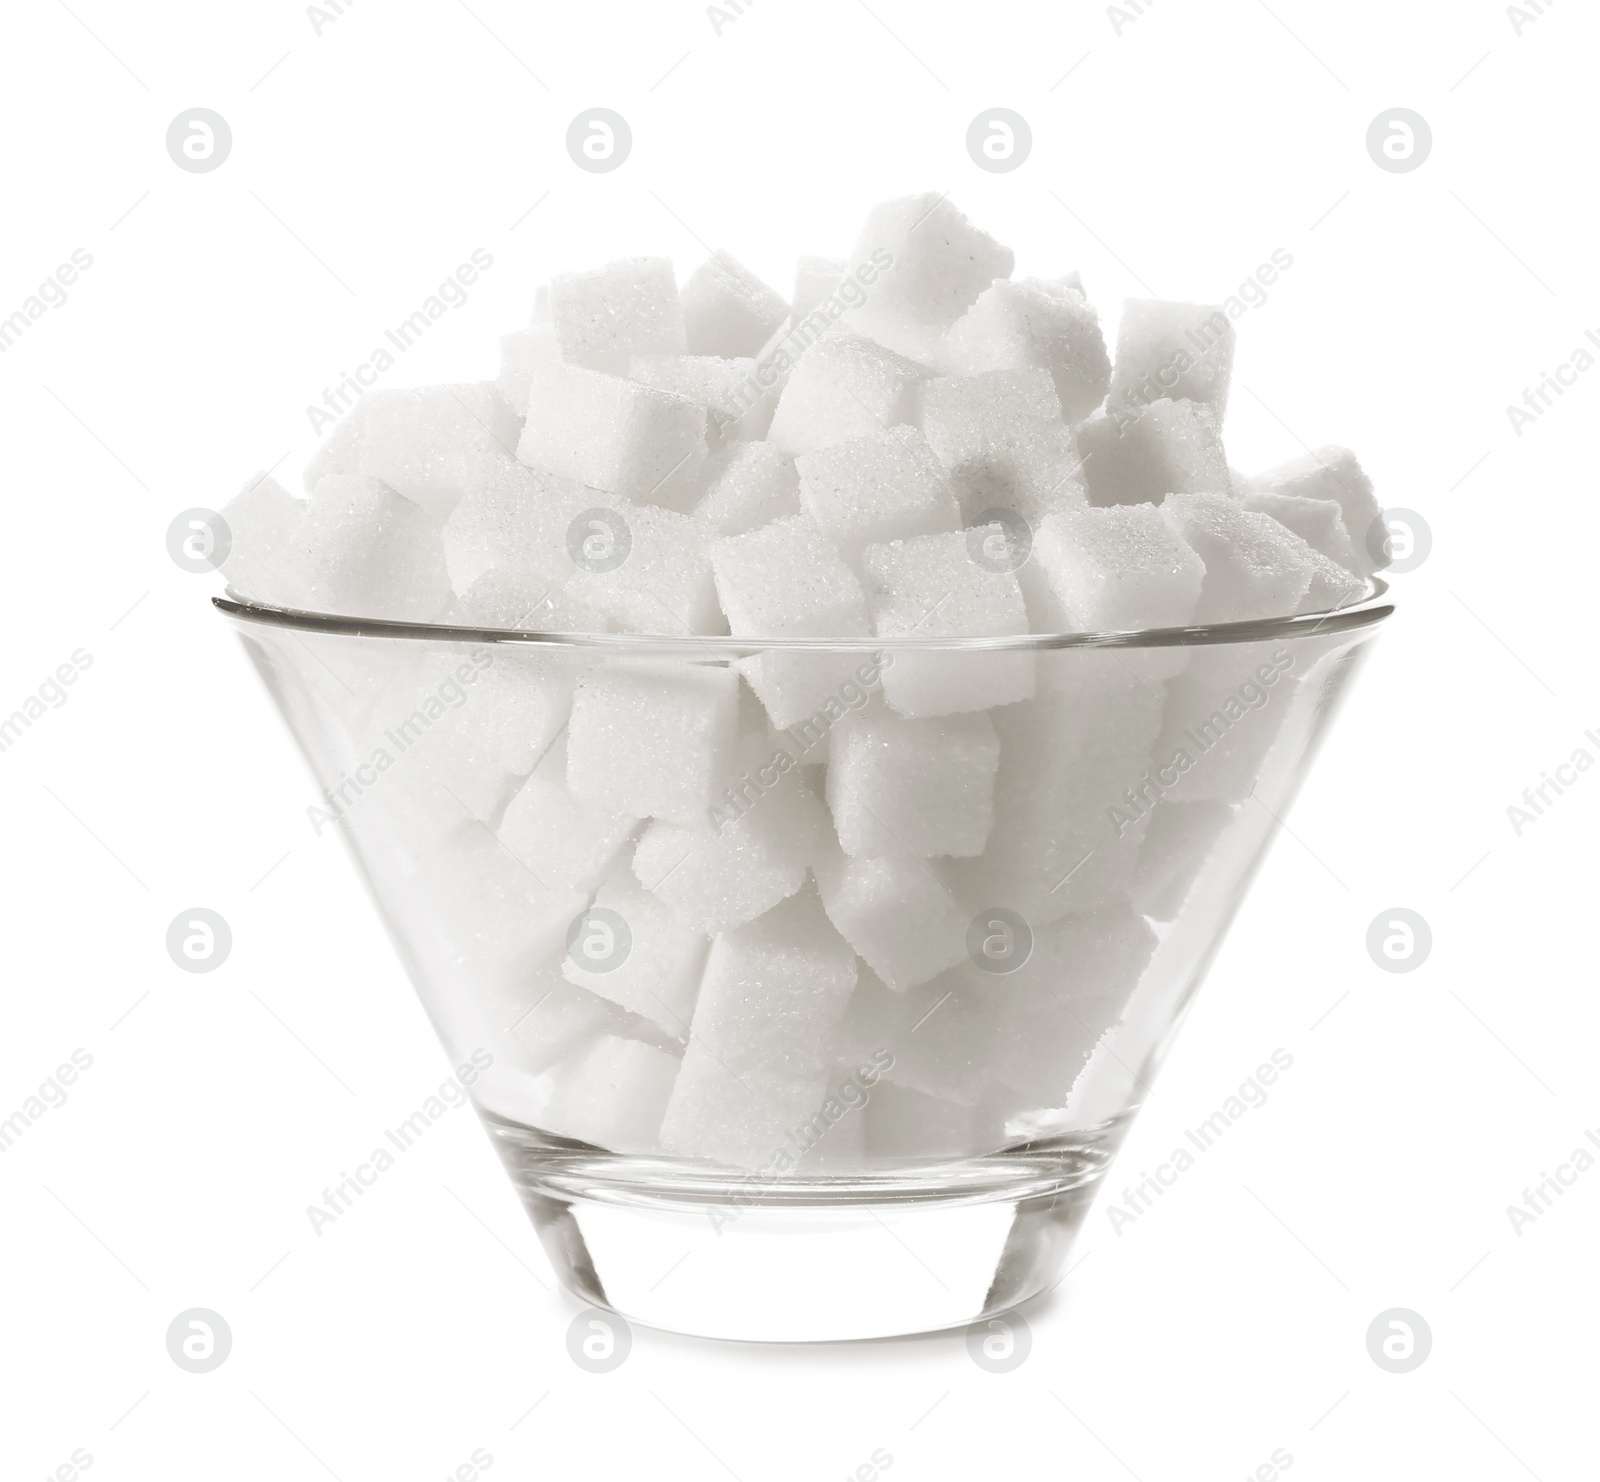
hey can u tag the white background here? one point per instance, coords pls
(369, 161)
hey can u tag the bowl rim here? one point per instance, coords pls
(1372, 610)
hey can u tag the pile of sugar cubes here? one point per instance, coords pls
(742, 908)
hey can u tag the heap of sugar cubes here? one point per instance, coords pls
(695, 902)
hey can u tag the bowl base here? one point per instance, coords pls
(913, 1248)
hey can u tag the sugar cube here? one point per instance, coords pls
(263, 521)
(614, 1096)
(545, 1019)
(362, 549)
(844, 387)
(727, 310)
(653, 739)
(521, 354)
(897, 915)
(1034, 323)
(614, 435)
(632, 949)
(1333, 473)
(748, 484)
(603, 318)
(340, 451)
(1063, 837)
(1111, 570)
(748, 853)
(1318, 522)
(763, 1040)
(424, 443)
(880, 487)
(932, 264)
(1175, 351)
(1135, 456)
(513, 518)
(1000, 436)
(1179, 840)
(1255, 568)
(565, 841)
(815, 278)
(934, 586)
(661, 584)
(738, 407)
(923, 786)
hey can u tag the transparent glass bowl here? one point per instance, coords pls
(713, 1131)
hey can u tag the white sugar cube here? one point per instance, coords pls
(1111, 570)
(525, 602)
(1318, 522)
(1333, 473)
(521, 354)
(489, 927)
(1141, 455)
(614, 1096)
(936, 586)
(513, 518)
(815, 278)
(340, 451)
(738, 407)
(1332, 586)
(1177, 844)
(748, 484)
(633, 950)
(262, 563)
(565, 841)
(764, 1038)
(883, 487)
(1174, 351)
(935, 1036)
(727, 310)
(654, 740)
(748, 853)
(786, 580)
(902, 1124)
(1254, 567)
(662, 584)
(362, 549)
(844, 387)
(425, 443)
(614, 435)
(923, 786)
(1001, 438)
(1034, 323)
(1065, 838)
(932, 265)
(603, 318)
(896, 914)
(465, 727)
(545, 1020)
(1221, 717)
